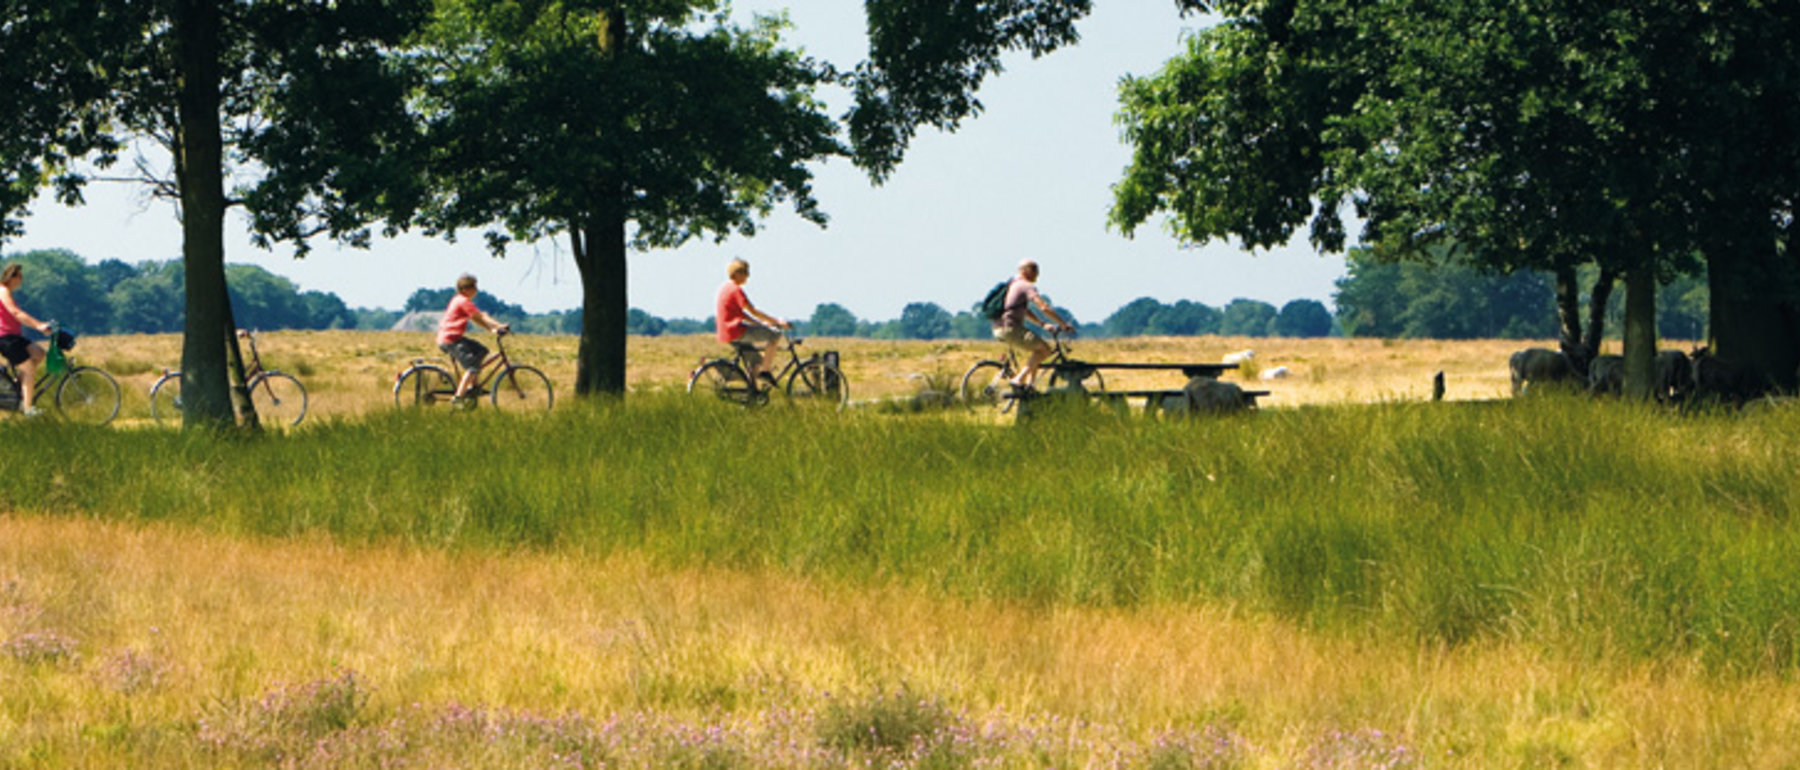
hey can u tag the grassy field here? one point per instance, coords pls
(1554, 582)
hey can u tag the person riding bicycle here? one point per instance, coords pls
(466, 352)
(741, 325)
(1012, 328)
(21, 353)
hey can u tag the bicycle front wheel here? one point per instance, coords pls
(88, 396)
(165, 398)
(278, 397)
(985, 383)
(522, 389)
(819, 381)
(723, 380)
(423, 386)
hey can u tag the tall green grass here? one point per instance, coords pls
(1600, 528)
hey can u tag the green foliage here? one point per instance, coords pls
(830, 319)
(1590, 526)
(1302, 318)
(1247, 318)
(924, 321)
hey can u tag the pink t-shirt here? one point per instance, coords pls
(9, 323)
(729, 312)
(1019, 297)
(456, 319)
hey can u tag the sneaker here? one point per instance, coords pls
(31, 411)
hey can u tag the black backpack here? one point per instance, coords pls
(994, 304)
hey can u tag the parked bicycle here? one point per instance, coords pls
(279, 397)
(987, 383)
(83, 394)
(511, 387)
(814, 378)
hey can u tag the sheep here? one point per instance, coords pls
(1541, 366)
(1239, 357)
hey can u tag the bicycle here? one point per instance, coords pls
(279, 397)
(987, 382)
(815, 378)
(512, 387)
(84, 394)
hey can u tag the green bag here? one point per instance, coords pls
(54, 361)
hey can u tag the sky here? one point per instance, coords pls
(1030, 177)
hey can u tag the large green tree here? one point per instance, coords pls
(619, 125)
(293, 97)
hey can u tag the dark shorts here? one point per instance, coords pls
(15, 348)
(467, 353)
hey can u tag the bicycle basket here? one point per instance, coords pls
(63, 339)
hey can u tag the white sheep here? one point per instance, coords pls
(1239, 357)
(1277, 373)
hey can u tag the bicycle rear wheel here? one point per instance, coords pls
(278, 397)
(88, 396)
(165, 398)
(985, 383)
(723, 380)
(422, 386)
(819, 381)
(522, 389)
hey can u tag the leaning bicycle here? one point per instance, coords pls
(988, 383)
(815, 378)
(83, 394)
(278, 397)
(510, 387)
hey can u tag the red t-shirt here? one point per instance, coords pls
(729, 312)
(456, 319)
(9, 323)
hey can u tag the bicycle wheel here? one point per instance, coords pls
(725, 381)
(522, 389)
(985, 383)
(278, 397)
(88, 396)
(819, 381)
(165, 398)
(422, 386)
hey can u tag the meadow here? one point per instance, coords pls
(1352, 577)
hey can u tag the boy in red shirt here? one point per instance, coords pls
(467, 352)
(736, 321)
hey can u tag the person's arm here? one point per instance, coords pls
(1050, 314)
(25, 318)
(765, 317)
(493, 324)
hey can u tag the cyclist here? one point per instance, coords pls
(19, 352)
(1012, 328)
(467, 352)
(739, 323)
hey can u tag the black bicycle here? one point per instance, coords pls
(84, 394)
(814, 378)
(511, 387)
(987, 383)
(279, 397)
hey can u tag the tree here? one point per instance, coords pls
(297, 91)
(1303, 318)
(924, 321)
(618, 124)
(1131, 318)
(1246, 318)
(830, 319)
(150, 302)
(642, 323)
(1184, 319)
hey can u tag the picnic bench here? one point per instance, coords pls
(1077, 371)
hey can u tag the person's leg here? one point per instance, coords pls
(28, 370)
(1039, 354)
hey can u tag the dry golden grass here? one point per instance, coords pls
(222, 621)
(350, 373)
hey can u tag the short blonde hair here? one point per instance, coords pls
(735, 266)
(465, 282)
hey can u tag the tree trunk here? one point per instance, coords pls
(1640, 335)
(1751, 308)
(240, 385)
(600, 254)
(205, 394)
(1597, 300)
(1568, 316)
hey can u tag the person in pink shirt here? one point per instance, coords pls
(18, 351)
(1021, 296)
(740, 324)
(467, 352)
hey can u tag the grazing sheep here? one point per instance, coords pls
(1606, 375)
(1674, 376)
(1277, 373)
(1720, 378)
(1239, 357)
(1542, 366)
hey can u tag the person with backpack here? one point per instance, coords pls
(21, 353)
(1009, 307)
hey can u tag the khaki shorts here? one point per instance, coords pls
(754, 339)
(1021, 337)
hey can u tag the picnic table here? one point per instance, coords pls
(1078, 371)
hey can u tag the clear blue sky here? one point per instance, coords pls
(1030, 177)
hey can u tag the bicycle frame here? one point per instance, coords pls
(788, 370)
(490, 368)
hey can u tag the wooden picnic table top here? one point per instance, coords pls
(1189, 369)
